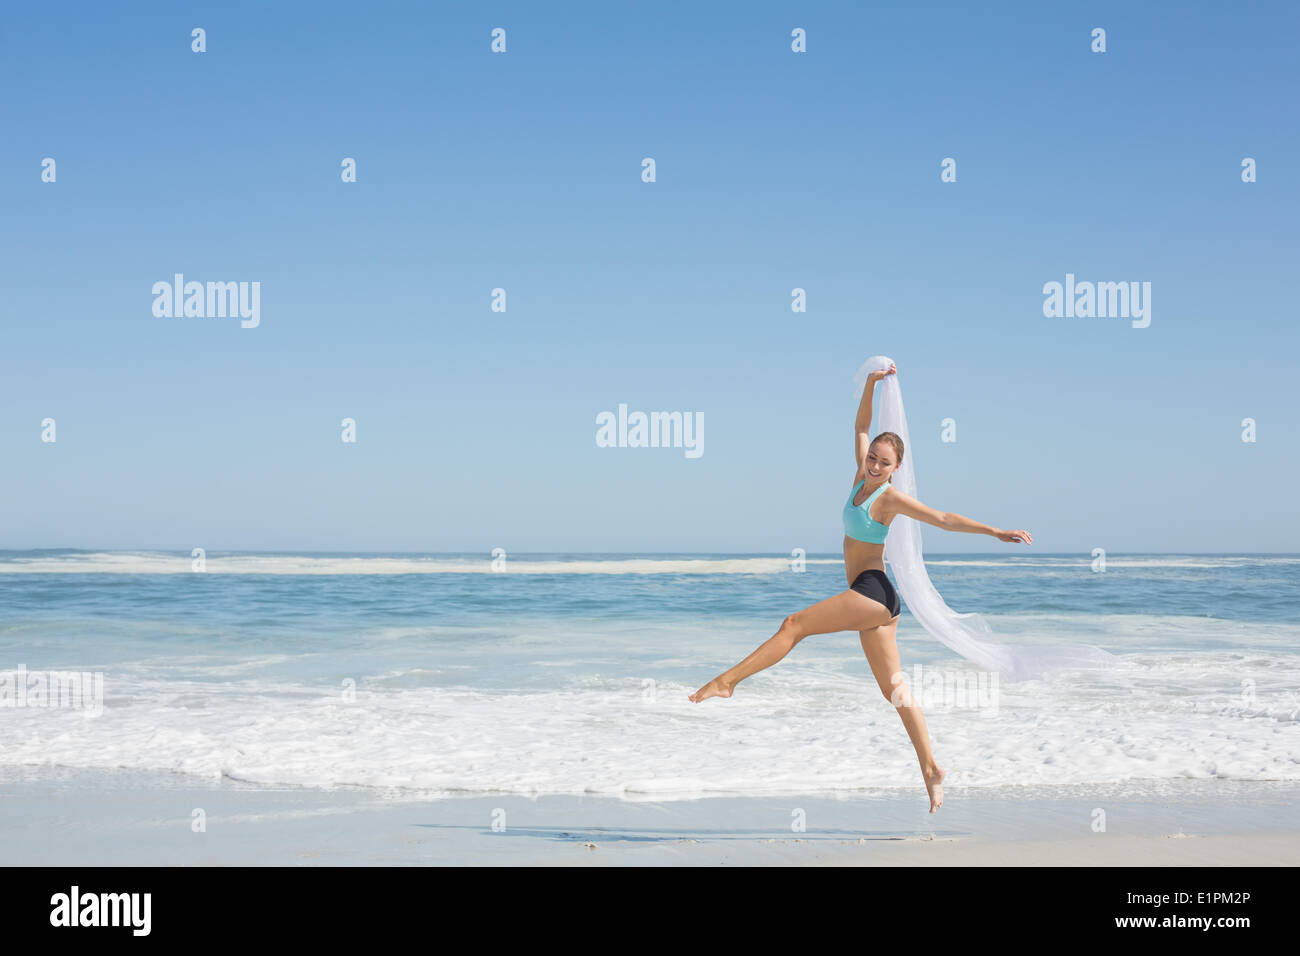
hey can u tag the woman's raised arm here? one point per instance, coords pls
(862, 424)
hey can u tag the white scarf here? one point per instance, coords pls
(967, 634)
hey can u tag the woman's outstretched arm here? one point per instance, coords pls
(905, 504)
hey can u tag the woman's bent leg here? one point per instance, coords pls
(846, 611)
(881, 648)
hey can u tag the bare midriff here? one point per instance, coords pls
(862, 556)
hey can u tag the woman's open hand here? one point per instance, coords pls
(1011, 537)
(877, 375)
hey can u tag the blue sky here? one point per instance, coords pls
(775, 170)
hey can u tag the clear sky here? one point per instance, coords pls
(523, 171)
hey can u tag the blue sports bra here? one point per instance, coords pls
(858, 523)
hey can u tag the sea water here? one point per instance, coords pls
(420, 675)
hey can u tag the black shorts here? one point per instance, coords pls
(876, 585)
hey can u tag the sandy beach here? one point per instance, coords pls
(95, 818)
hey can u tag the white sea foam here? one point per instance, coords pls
(814, 730)
(157, 562)
(1120, 561)
(154, 562)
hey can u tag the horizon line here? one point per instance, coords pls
(781, 554)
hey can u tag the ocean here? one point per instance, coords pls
(435, 675)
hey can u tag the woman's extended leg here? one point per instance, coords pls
(846, 611)
(881, 649)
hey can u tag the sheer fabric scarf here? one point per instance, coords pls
(967, 634)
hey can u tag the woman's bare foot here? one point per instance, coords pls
(934, 785)
(714, 688)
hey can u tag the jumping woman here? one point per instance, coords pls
(870, 606)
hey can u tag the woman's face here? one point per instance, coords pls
(880, 461)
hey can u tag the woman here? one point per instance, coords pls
(870, 606)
